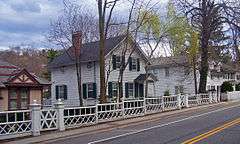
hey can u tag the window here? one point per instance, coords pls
(112, 89)
(18, 98)
(89, 65)
(179, 89)
(89, 90)
(13, 99)
(167, 72)
(232, 76)
(212, 88)
(61, 92)
(155, 71)
(117, 61)
(134, 64)
(208, 87)
(129, 90)
(238, 77)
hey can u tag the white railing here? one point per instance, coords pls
(154, 104)
(193, 100)
(79, 116)
(48, 119)
(170, 102)
(109, 111)
(15, 122)
(133, 108)
(203, 99)
(61, 118)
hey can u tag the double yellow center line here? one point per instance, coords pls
(212, 132)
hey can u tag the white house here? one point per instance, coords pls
(64, 77)
(174, 75)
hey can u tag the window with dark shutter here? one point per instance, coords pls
(84, 91)
(129, 90)
(61, 92)
(89, 90)
(110, 89)
(130, 63)
(138, 65)
(57, 92)
(65, 92)
(94, 90)
(126, 90)
(114, 62)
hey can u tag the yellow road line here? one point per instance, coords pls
(212, 132)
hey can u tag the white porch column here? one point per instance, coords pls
(36, 118)
(59, 106)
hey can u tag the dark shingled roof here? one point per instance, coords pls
(142, 77)
(168, 61)
(8, 71)
(89, 52)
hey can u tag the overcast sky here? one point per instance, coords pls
(27, 21)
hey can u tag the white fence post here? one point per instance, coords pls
(59, 106)
(210, 98)
(186, 101)
(96, 113)
(145, 105)
(36, 118)
(178, 101)
(163, 104)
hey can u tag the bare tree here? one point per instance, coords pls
(207, 16)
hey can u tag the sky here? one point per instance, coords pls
(27, 22)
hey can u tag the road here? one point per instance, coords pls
(213, 125)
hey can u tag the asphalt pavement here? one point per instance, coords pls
(213, 125)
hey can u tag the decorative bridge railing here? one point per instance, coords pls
(38, 119)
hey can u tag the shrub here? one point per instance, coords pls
(226, 87)
(238, 87)
(166, 93)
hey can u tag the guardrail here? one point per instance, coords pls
(38, 119)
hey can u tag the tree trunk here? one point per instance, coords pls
(103, 98)
(78, 70)
(205, 36)
(195, 75)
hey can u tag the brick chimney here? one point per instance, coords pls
(77, 42)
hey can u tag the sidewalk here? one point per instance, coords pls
(107, 126)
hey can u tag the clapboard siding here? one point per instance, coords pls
(92, 74)
(176, 77)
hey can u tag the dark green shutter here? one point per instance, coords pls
(84, 91)
(136, 89)
(141, 89)
(130, 63)
(114, 62)
(94, 90)
(65, 92)
(57, 92)
(126, 90)
(138, 65)
(110, 89)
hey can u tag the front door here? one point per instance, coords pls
(18, 98)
